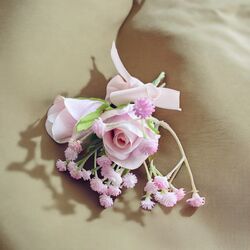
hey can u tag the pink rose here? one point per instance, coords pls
(123, 137)
(65, 113)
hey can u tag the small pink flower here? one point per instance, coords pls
(161, 182)
(150, 187)
(97, 185)
(112, 175)
(86, 174)
(196, 200)
(129, 180)
(71, 165)
(98, 127)
(106, 201)
(64, 114)
(144, 108)
(106, 171)
(158, 196)
(74, 171)
(104, 161)
(168, 199)
(61, 165)
(70, 154)
(75, 146)
(149, 147)
(180, 193)
(113, 191)
(147, 204)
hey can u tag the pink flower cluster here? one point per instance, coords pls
(144, 107)
(73, 150)
(161, 191)
(107, 181)
(111, 181)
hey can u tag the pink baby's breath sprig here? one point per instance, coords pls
(129, 180)
(106, 201)
(61, 165)
(147, 203)
(103, 161)
(144, 108)
(196, 200)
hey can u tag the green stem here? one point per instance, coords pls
(95, 163)
(146, 168)
(166, 126)
(158, 80)
(82, 162)
(176, 168)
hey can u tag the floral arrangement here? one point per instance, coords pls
(119, 134)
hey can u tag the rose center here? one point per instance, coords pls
(120, 139)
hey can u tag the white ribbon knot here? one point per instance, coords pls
(128, 89)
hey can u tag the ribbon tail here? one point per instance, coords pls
(128, 95)
(118, 63)
(168, 99)
(161, 97)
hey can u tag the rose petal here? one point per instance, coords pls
(79, 108)
(56, 108)
(62, 128)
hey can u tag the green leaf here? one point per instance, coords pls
(86, 122)
(151, 125)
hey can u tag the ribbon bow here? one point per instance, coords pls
(125, 88)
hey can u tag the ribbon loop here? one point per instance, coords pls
(122, 92)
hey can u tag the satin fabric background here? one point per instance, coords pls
(51, 47)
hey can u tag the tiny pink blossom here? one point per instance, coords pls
(149, 147)
(144, 107)
(147, 204)
(129, 180)
(75, 146)
(61, 165)
(98, 127)
(196, 200)
(106, 201)
(180, 193)
(113, 191)
(158, 196)
(74, 171)
(97, 185)
(109, 173)
(106, 171)
(71, 165)
(104, 161)
(86, 174)
(150, 187)
(161, 182)
(70, 154)
(168, 199)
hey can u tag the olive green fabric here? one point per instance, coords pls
(63, 47)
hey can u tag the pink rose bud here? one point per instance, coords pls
(65, 113)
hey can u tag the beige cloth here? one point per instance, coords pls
(46, 49)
